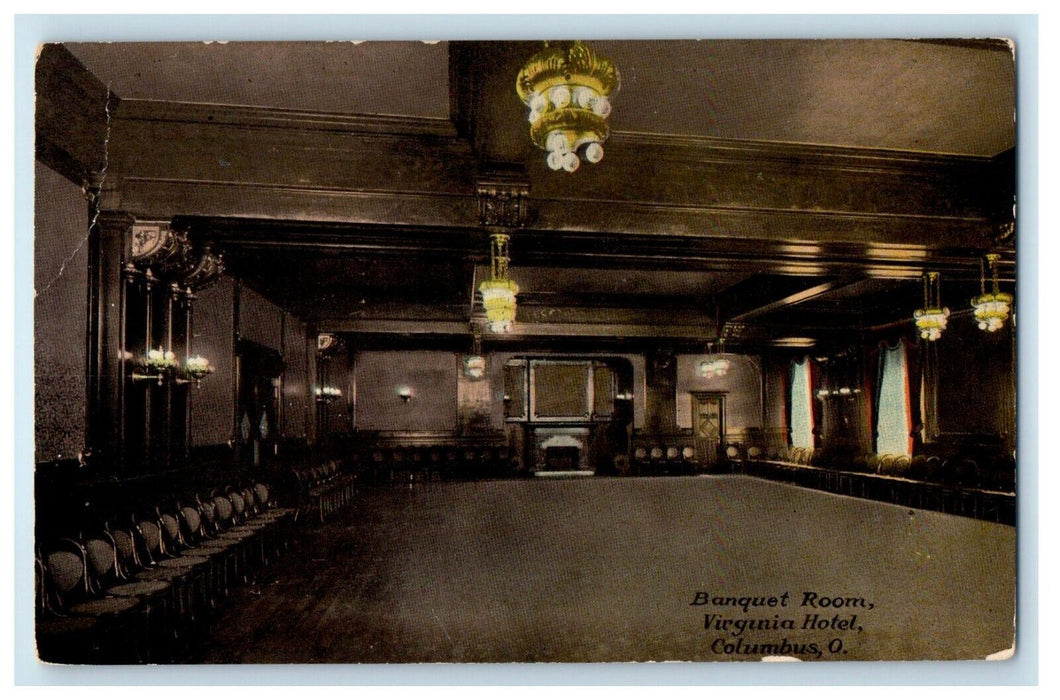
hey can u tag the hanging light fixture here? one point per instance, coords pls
(475, 363)
(931, 320)
(991, 310)
(499, 291)
(713, 365)
(568, 93)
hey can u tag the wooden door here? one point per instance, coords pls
(260, 370)
(709, 427)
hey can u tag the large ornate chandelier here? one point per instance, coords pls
(931, 320)
(991, 310)
(498, 292)
(568, 93)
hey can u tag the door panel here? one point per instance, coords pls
(709, 427)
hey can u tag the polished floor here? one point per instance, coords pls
(606, 569)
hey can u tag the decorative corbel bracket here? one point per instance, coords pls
(158, 246)
(502, 200)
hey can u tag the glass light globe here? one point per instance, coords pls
(557, 141)
(602, 107)
(555, 160)
(583, 97)
(538, 102)
(534, 116)
(499, 326)
(559, 96)
(570, 162)
(594, 152)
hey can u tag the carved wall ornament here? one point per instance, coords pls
(502, 202)
(151, 239)
(157, 246)
(329, 344)
(209, 267)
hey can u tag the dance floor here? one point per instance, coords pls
(607, 569)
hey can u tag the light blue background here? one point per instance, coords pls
(31, 30)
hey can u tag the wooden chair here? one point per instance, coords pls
(62, 638)
(185, 573)
(118, 623)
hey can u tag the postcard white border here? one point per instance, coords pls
(29, 30)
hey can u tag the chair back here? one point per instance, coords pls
(208, 510)
(193, 523)
(262, 493)
(125, 551)
(239, 506)
(64, 575)
(223, 509)
(917, 468)
(933, 469)
(151, 537)
(102, 561)
(252, 502)
(172, 540)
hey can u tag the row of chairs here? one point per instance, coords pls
(437, 463)
(664, 459)
(737, 452)
(961, 471)
(137, 588)
(956, 485)
(323, 489)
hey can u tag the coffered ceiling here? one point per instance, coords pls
(779, 187)
(948, 97)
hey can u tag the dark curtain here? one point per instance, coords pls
(914, 369)
(816, 407)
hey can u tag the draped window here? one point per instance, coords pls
(802, 419)
(894, 416)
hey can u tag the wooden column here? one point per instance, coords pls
(929, 365)
(661, 401)
(312, 382)
(108, 248)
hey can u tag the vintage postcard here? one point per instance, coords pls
(525, 351)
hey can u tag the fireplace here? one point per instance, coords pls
(557, 448)
(561, 458)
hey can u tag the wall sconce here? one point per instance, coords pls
(156, 364)
(475, 366)
(327, 394)
(624, 396)
(195, 368)
(405, 393)
(841, 392)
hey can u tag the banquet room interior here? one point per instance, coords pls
(484, 351)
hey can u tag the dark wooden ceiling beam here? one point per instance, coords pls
(173, 159)
(534, 247)
(73, 110)
(788, 301)
(416, 328)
